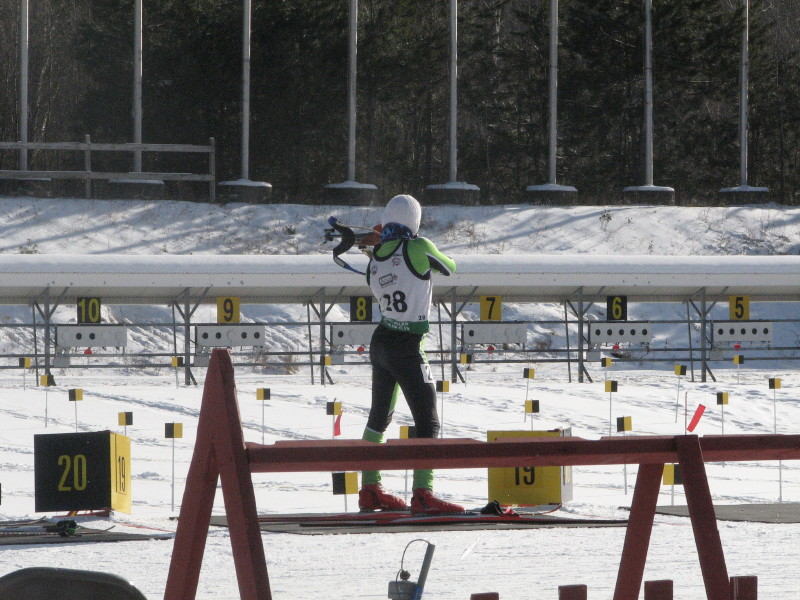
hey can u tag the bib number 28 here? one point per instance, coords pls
(395, 302)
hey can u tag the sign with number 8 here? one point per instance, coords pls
(360, 308)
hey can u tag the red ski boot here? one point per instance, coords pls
(373, 497)
(423, 502)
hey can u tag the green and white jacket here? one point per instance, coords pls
(399, 276)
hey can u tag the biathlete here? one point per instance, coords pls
(399, 275)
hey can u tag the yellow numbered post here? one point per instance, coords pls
(617, 308)
(739, 307)
(491, 308)
(528, 485)
(82, 471)
(89, 310)
(360, 309)
(228, 310)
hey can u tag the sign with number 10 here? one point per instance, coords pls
(89, 310)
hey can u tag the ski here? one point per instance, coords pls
(398, 521)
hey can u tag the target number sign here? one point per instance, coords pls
(739, 307)
(360, 309)
(89, 310)
(82, 471)
(617, 308)
(529, 485)
(227, 310)
(491, 308)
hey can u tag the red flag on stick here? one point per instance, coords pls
(337, 425)
(696, 418)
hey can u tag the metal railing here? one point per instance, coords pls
(88, 174)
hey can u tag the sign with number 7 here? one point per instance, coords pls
(491, 308)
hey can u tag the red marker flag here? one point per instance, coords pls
(696, 418)
(337, 425)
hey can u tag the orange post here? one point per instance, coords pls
(744, 588)
(572, 592)
(658, 590)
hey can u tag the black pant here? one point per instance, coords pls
(397, 358)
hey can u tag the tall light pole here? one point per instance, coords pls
(648, 187)
(350, 191)
(247, 15)
(23, 82)
(453, 90)
(137, 84)
(552, 75)
(744, 99)
(242, 189)
(352, 60)
(453, 190)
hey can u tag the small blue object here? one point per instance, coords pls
(332, 221)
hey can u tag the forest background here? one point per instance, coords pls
(81, 79)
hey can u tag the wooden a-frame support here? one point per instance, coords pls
(221, 454)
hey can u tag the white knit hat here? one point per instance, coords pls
(405, 210)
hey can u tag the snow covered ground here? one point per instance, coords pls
(523, 564)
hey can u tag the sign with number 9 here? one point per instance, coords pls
(227, 310)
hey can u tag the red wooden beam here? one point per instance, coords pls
(357, 455)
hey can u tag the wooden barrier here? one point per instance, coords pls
(658, 590)
(572, 592)
(744, 588)
(221, 453)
